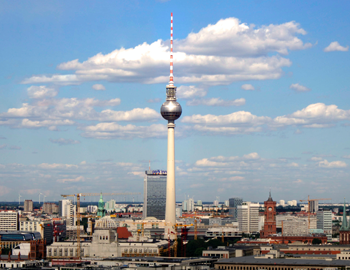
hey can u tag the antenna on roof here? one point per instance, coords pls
(171, 82)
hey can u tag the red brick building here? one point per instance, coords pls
(270, 218)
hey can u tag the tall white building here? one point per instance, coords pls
(248, 217)
(184, 205)
(227, 203)
(68, 210)
(216, 202)
(324, 222)
(282, 202)
(190, 205)
(8, 221)
(110, 205)
(313, 206)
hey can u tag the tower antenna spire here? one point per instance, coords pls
(171, 82)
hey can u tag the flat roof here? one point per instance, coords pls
(252, 260)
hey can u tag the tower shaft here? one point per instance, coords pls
(170, 186)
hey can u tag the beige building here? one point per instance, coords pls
(43, 227)
(105, 244)
(8, 221)
(50, 208)
(28, 206)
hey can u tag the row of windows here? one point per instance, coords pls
(259, 268)
(134, 250)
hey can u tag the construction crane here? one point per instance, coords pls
(308, 210)
(78, 195)
(175, 243)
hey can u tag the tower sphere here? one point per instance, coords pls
(171, 110)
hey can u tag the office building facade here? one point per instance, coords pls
(154, 193)
(28, 206)
(324, 222)
(233, 203)
(248, 217)
(9, 221)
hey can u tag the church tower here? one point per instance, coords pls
(270, 218)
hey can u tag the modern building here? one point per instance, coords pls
(68, 210)
(313, 206)
(154, 193)
(28, 206)
(50, 208)
(45, 228)
(324, 222)
(9, 221)
(248, 217)
(233, 203)
(110, 206)
(270, 218)
(184, 205)
(190, 205)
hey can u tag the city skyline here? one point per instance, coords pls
(263, 88)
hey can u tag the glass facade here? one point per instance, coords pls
(233, 203)
(154, 194)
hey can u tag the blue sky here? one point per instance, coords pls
(263, 85)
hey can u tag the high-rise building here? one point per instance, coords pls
(28, 206)
(199, 202)
(184, 205)
(248, 217)
(50, 208)
(270, 218)
(8, 221)
(233, 203)
(324, 222)
(227, 203)
(190, 205)
(282, 202)
(154, 193)
(216, 203)
(68, 210)
(110, 205)
(43, 227)
(313, 206)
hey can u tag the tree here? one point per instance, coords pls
(316, 241)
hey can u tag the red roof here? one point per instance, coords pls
(123, 233)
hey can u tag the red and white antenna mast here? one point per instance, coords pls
(171, 82)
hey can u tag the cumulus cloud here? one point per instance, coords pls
(335, 46)
(114, 130)
(237, 118)
(99, 87)
(216, 102)
(247, 87)
(62, 141)
(222, 53)
(299, 88)
(41, 92)
(333, 164)
(187, 92)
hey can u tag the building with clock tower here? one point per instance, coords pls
(270, 218)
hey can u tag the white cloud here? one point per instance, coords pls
(14, 147)
(335, 46)
(56, 166)
(316, 158)
(299, 181)
(222, 53)
(77, 179)
(62, 141)
(333, 164)
(247, 87)
(231, 37)
(299, 88)
(114, 130)
(99, 87)
(240, 118)
(187, 92)
(346, 156)
(216, 102)
(41, 92)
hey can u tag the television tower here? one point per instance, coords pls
(171, 110)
